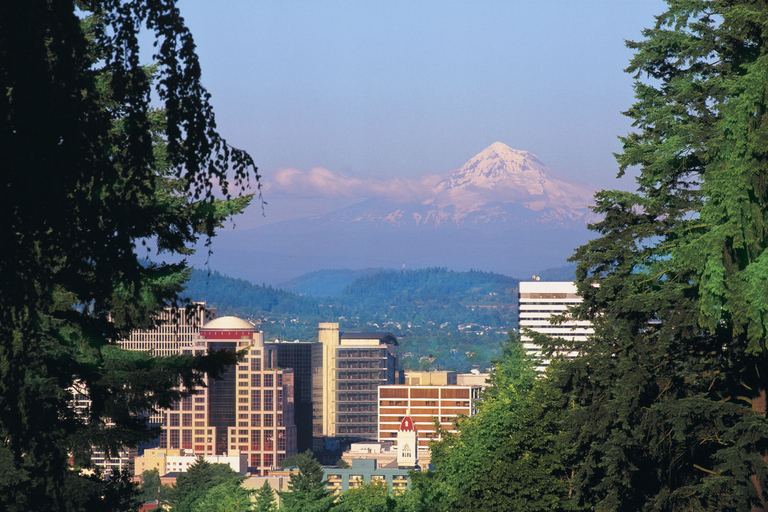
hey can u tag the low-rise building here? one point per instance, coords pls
(365, 471)
(424, 404)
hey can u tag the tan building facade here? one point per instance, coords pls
(345, 383)
(248, 411)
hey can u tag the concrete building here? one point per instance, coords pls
(123, 459)
(345, 385)
(538, 302)
(178, 461)
(248, 410)
(475, 378)
(384, 452)
(435, 378)
(175, 331)
(424, 404)
(364, 471)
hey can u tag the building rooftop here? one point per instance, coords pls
(229, 323)
(386, 337)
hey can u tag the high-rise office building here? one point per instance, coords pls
(347, 376)
(174, 333)
(297, 355)
(249, 410)
(539, 301)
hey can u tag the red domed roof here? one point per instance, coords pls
(407, 425)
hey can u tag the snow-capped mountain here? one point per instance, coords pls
(499, 184)
(502, 211)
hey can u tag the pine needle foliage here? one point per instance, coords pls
(669, 398)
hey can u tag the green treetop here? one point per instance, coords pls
(307, 489)
(669, 397)
(90, 172)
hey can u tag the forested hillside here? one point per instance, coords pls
(444, 319)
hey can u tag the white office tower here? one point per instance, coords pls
(538, 302)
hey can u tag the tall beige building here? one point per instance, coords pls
(248, 411)
(538, 302)
(345, 383)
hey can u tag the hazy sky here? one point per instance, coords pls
(373, 91)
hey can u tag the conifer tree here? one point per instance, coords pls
(264, 500)
(90, 173)
(307, 489)
(669, 397)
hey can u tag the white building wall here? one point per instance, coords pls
(539, 301)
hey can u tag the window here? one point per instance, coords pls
(268, 420)
(256, 440)
(186, 439)
(255, 420)
(256, 364)
(269, 380)
(255, 400)
(281, 440)
(173, 441)
(186, 420)
(268, 400)
(174, 419)
(256, 380)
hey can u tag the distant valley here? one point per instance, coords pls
(443, 319)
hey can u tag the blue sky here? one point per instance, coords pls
(387, 91)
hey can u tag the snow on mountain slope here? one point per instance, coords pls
(499, 184)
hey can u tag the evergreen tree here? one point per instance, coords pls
(669, 396)
(265, 499)
(371, 497)
(509, 456)
(225, 497)
(192, 487)
(307, 489)
(90, 173)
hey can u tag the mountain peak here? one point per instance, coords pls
(502, 174)
(504, 152)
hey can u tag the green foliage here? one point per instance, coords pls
(669, 399)
(510, 456)
(307, 489)
(371, 497)
(151, 487)
(90, 173)
(457, 318)
(193, 487)
(341, 463)
(265, 499)
(225, 497)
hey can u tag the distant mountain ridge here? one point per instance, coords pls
(502, 211)
(498, 185)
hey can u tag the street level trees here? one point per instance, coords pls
(510, 456)
(670, 397)
(90, 172)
